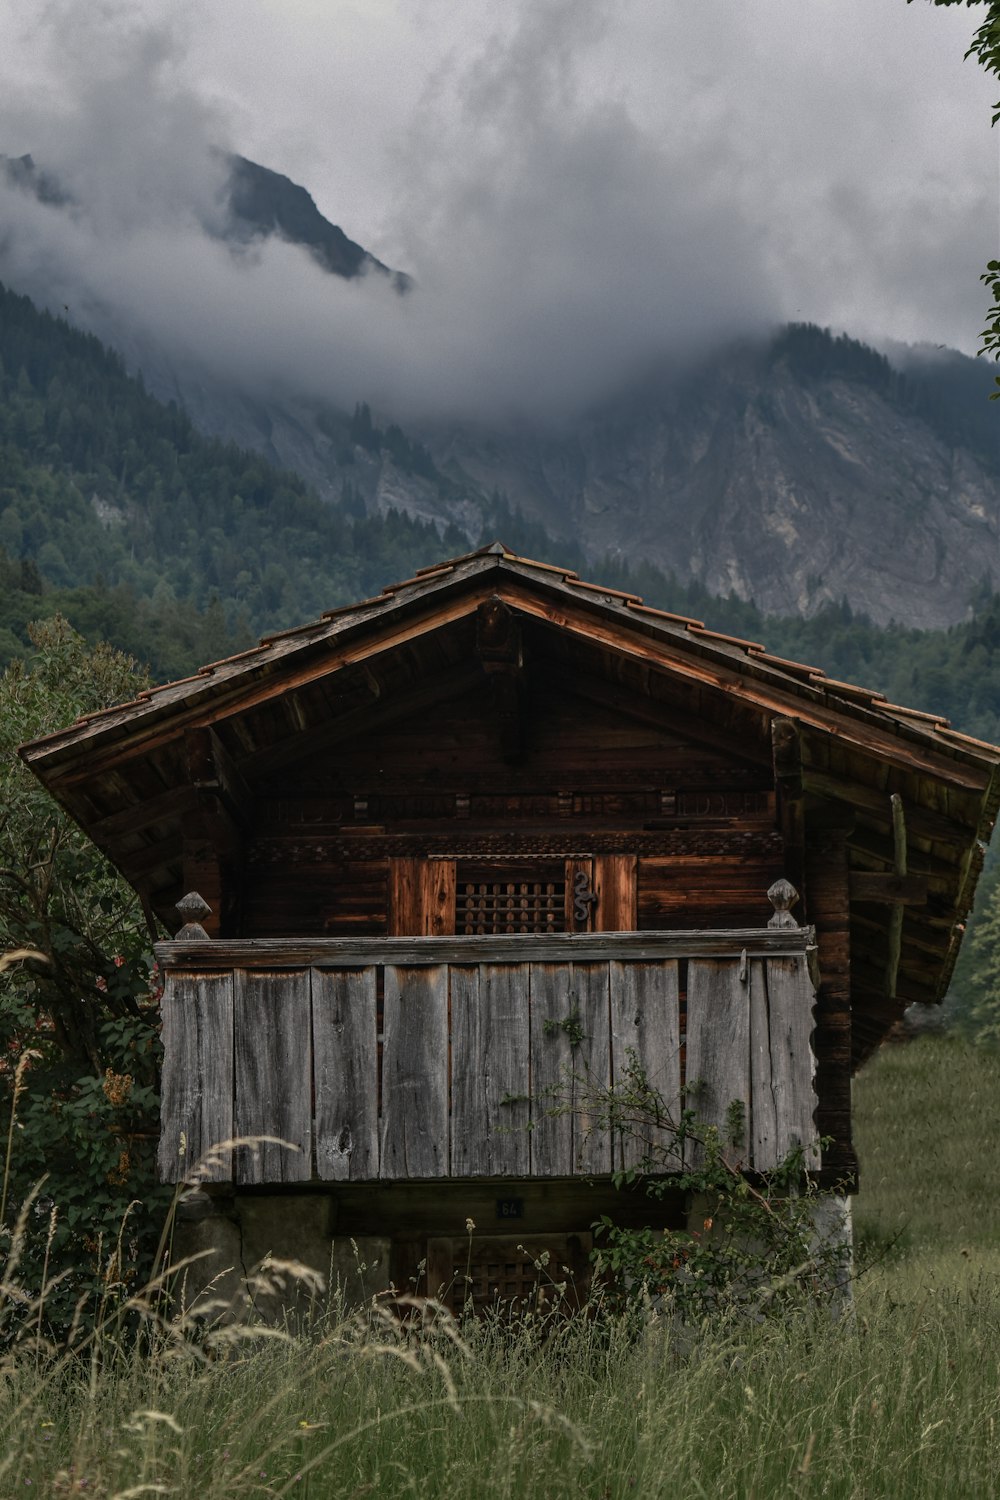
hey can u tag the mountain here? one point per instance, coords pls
(263, 203)
(259, 204)
(794, 471)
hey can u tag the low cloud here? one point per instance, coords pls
(562, 237)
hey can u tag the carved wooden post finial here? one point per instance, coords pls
(782, 895)
(192, 907)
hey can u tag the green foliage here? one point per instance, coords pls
(754, 1248)
(78, 1019)
(103, 487)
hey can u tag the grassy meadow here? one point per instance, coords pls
(901, 1400)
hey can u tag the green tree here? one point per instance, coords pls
(78, 1039)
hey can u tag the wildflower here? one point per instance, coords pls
(117, 1087)
(470, 1225)
(118, 1176)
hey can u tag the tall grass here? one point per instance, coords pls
(903, 1400)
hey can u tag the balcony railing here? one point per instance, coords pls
(428, 1058)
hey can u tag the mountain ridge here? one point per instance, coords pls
(793, 472)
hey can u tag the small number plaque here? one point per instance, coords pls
(510, 1208)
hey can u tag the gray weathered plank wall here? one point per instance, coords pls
(488, 1069)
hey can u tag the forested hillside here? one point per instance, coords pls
(115, 510)
(102, 485)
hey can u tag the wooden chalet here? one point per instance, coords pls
(492, 830)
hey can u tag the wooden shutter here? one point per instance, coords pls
(615, 889)
(421, 897)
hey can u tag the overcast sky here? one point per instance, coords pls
(576, 185)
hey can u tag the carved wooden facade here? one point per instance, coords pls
(433, 827)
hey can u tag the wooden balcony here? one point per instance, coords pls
(382, 1059)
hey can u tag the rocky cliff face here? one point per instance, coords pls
(786, 486)
(787, 489)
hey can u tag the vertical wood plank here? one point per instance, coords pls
(414, 1141)
(437, 897)
(404, 898)
(490, 1064)
(790, 999)
(345, 1073)
(273, 1055)
(718, 1048)
(196, 1096)
(551, 1146)
(570, 1060)
(591, 1067)
(645, 1033)
(421, 897)
(765, 1153)
(829, 909)
(616, 889)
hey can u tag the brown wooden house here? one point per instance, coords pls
(492, 830)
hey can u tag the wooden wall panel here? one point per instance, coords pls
(695, 891)
(273, 1073)
(345, 1073)
(615, 887)
(552, 1065)
(718, 1048)
(421, 897)
(646, 1044)
(591, 1066)
(299, 895)
(196, 1100)
(829, 910)
(490, 1064)
(570, 1061)
(414, 1137)
(781, 1062)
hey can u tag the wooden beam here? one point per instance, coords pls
(500, 649)
(557, 948)
(672, 717)
(923, 823)
(907, 890)
(211, 769)
(786, 759)
(896, 919)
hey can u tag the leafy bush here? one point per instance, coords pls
(78, 1013)
(751, 1246)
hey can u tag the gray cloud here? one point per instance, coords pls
(579, 187)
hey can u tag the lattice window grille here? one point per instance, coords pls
(496, 906)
